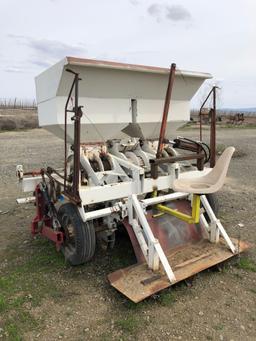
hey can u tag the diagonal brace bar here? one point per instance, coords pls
(154, 247)
(214, 219)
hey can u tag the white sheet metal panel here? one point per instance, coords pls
(106, 91)
(92, 195)
(47, 82)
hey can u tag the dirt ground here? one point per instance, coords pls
(42, 298)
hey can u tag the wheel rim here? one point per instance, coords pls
(70, 235)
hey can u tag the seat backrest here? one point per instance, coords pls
(219, 172)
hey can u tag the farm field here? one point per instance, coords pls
(42, 298)
(12, 119)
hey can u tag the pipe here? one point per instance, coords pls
(200, 113)
(65, 129)
(163, 198)
(213, 131)
(166, 110)
(76, 145)
(25, 200)
(100, 213)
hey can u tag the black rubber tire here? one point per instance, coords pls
(214, 203)
(79, 247)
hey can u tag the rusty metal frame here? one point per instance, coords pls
(166, 110)
(73, 193)
(154, 163)
(43, 224)
(213, 125)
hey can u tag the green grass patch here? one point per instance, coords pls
(3, 303)
(131, 316)
(29, 277)
(137, 307)
(129, 324)
(219, 327)
(129, 305)
(12, 332)
(247, 264)
(167, 298)
(19, 323)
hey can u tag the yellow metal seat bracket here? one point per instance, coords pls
(193, 219)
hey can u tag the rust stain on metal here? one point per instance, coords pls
(151, 279)
(186, 262)
(170, 231)
(131, 67)
(116, 65)
(195, 259)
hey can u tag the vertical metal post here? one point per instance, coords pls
(65, 130)
(213, 131)
(213, 125)
(76, 146)
(134, 110)
(166, 110)
(200, 126)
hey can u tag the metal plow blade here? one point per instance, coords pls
(186, 247)
(138, 282)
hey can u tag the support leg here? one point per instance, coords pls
(216, 227)
(155, 252)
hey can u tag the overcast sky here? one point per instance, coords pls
(213, 36)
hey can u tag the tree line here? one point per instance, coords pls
(16, 103)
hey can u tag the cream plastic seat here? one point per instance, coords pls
(209, 183)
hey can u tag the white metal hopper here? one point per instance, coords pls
(114, 95)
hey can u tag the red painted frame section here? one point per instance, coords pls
(43, 224)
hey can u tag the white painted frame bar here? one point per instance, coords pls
(100, 213)
(163, 198)
(216, 224)
(155, 251)
(204, 222)
(26, 200)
